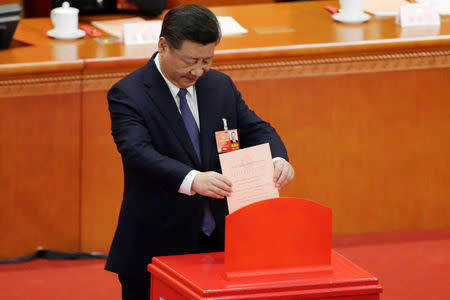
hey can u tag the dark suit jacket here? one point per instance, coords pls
(157, 154)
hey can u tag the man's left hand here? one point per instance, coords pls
(283, 173)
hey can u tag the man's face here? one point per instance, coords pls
(184, 66)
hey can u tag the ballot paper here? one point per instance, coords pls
(250, 170)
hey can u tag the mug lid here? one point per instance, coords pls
(66, 9)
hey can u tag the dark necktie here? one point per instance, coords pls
(208, 223)
(189, 121)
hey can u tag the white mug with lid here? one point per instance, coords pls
(351, 12)
(351, 9)
(65, 22)
(65, 19)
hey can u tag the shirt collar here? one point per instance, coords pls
(172, 87)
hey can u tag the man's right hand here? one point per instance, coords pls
(211, 184)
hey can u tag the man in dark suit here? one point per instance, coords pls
(163, 118)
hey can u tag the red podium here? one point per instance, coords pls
(274, 249)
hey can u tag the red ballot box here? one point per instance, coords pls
(274, 249)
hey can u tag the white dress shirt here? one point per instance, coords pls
(191, 98)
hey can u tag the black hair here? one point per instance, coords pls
(194, 23)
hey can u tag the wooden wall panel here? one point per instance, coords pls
(101, 165)
(39, 173)
(374, 147)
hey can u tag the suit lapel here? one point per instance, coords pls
(207, 108)
(160, 95)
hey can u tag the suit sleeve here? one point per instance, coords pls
(134, 142)
(254, 131)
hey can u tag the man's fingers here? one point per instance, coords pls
(286, 174)
(276, 172)
(216, 191)
(213, 195)
(222, 179)
(282, 177)
(212, 184)
(223, 184)
(289, 176)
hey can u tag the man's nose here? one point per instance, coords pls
(198, 71)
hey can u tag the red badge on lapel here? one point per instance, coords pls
(227, 140)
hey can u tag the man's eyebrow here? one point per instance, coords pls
(197, 58)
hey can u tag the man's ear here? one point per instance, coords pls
(163, 45)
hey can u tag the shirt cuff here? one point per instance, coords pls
(186, 185)
(277, 158)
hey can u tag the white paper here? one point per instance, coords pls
(442, 6)
(115, 27)
(230, 26)
(385, 8)
(419, 31)
(418, 15)
(142, 32)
